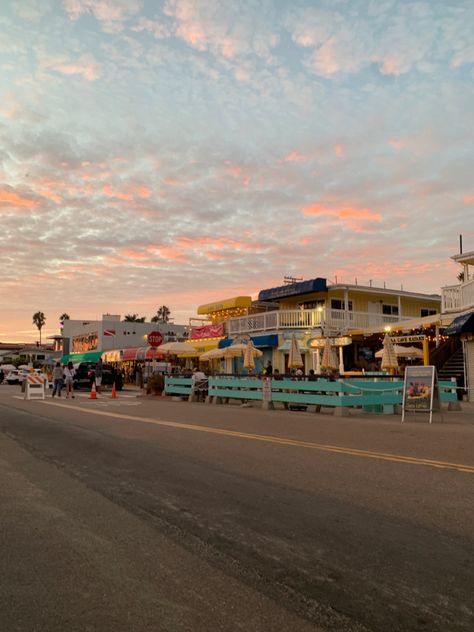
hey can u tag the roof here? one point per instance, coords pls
(228, 303)
(461, 325)
(383, 290)
(464, 257)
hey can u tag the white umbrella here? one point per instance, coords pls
(7, 367)
(237, 350)
(212, 354)
(175, 348)
(328, 361)
(24, 366)
(249, 356)
(403, 352)
(389, 358)
(294, 359)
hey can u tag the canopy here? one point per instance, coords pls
(249, 356)
(7, 367)
(461, 324)
(212, 354)
(87, 356)
(328, 361)
(403, 352)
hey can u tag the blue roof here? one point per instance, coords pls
(461, 325)
(294, 289)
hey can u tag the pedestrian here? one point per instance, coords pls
(269, 369)
(69, 373)
(98, 375)
(57, 379)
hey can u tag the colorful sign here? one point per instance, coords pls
(207, 331)
(109, 332)
(85, 342)
(420, 390)
(319, 343)
(155, 338)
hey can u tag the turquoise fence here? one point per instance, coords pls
(373, 396)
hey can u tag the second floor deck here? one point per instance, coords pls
(458, 297)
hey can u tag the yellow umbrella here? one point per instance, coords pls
(389, 357)
(294, 359)
(328, 361)
(212, 354)
(249, 356)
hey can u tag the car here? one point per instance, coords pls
(13, 377)
(84, 373)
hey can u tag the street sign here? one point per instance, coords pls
(155, 338)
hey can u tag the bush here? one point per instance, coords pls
(155, 384)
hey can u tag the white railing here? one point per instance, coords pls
(333, 319)
(457, 297)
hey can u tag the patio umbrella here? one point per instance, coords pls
(212, 354)
(249, 356)
(174, 348)
(237, 350)
(403, 352)
(7, 367)
(389, 357)
(328, 361)
(294, 359)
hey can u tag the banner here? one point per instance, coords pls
(207, 331)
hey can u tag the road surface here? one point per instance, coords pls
(133, 515)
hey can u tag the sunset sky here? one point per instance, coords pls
(183, 151)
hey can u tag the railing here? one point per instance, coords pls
(337, 319)
(456, 297)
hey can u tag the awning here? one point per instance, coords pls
(113, 355)
(140, 353)
(270, 340)
(242, 302)
(199, 347)
(461, 325)
(87, 356)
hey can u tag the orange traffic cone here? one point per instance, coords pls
(114, 392)
(93, 394)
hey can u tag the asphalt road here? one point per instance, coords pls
(133, 515)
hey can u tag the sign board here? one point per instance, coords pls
(319, 343)
(155, 338)
(420, 390)
(405, 339)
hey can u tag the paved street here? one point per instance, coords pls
(144, 515)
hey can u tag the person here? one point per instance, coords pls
(276, 375)
(98, 375)
(57, 379)
(299, 374)
(312, 376)
(199, 383)
(269, 369)
(69, 373)
(2, 376)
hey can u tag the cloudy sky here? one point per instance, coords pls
(183, 151)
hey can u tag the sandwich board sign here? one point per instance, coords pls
(421, 390)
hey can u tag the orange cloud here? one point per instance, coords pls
(339, 150)
(8, 198)
(351, 216)
(469, 198)
(107, 189)
(294, 156)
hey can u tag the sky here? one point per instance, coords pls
(180, 152)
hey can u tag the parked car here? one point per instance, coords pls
(85, 372)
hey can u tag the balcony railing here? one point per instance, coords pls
(330, 319)
(458, 297)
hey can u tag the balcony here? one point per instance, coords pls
(332, 320)
(459, 297)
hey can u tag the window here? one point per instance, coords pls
(390, 310)
(338, 303)
(425, 311)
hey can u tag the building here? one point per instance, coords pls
(458, 306)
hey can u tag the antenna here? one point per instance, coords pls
(460, 244)
(290, 280)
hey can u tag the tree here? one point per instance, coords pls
(162, 315)
(133, 318)
(64, 317)
(39, 320)
(461, 277)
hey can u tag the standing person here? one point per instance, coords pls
(2, 376)
(269, 369)
(69, 373)
(98, 375)
(57, 379)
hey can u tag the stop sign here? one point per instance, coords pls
(155, 338)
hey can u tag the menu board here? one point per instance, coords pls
(420, 390)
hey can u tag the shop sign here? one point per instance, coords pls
(207, 331)
(319, 343)
(405, 339)
(85, 342)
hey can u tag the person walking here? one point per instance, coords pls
(69, 373)
(98, 375)
(57, 379)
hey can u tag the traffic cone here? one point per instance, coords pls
(114, 392)
(93, 394)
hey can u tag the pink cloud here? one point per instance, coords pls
(339, 150)
(11, 199)
(294, 156)
(469, 198)
(107, 189)
(352, 217)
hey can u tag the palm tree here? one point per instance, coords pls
(39, 320)
(133, 318)
(64, 317)
(162, 315)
